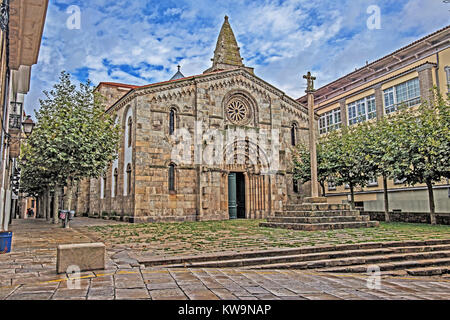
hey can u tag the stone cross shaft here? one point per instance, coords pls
(312, 135)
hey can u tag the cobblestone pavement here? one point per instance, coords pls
(29, 273)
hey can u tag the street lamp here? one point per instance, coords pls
(28, 126)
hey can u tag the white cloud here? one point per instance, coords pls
(281, 39)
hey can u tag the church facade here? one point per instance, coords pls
(213, 146)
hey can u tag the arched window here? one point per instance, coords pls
(295, 185)
(104, 185)
(130, 130)
(116, 183)
(171, 177)
(294, 134)
(128, 179)
(172, 121)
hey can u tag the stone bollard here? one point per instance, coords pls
(86, 256)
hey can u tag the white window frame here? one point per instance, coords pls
(373, 182)
(330, 121)
(358, 111)
(331, 185)
(398, 181)
(391, 95)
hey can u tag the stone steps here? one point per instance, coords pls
(320, 226)
(270, 261)
(299, 213)
(315, 207)
(318, 216)
(419, 267)
(318, 220)
(430, 271)
(317, 257)
(360, 264)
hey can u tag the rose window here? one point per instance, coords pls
(238, 112)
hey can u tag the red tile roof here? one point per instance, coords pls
(115, 84)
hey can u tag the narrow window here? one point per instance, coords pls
(172, 177)
(116, 176)
(128, 179)
(130, 130)
(172, 122)
(295, 185)
(103, 187)
(294, 134)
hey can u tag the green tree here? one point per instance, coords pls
(423, 140)
(379, 143)
(302, 166)
(73, 139)
(345, 158)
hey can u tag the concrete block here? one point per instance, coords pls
(86, 256)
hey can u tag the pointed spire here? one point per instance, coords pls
(226, 55)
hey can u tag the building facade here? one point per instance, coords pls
(213, 146)
(406, 76)
(22, 24)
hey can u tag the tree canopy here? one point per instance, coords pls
(73, 139)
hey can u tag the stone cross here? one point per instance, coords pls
(312, 135)
(310, 83)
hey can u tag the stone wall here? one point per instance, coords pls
(411, 217)
(201, 190)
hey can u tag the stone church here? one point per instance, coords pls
(249, 178)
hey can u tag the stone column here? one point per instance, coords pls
(343, 108)
(312, 135)
(426, 81)
(379, 101)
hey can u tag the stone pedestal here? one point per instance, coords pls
(321, 200)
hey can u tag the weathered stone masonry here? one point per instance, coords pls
(201, 190)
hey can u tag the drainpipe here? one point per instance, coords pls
(437, 72)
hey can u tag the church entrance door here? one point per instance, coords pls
(236, 195)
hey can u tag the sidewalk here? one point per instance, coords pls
(28, 273)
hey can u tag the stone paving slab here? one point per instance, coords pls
(29, 273)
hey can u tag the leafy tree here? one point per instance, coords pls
(302, 166)
(423, 140)
(345, 158)
(379, 143)
(73, 139)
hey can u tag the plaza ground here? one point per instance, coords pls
(29, 271)
(243, 235)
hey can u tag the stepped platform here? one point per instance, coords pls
(318, 216)
(418, 258)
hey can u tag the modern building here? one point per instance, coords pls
(21, 24)
(247, 174)
(405, 76)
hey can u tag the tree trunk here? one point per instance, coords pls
(386, 199)
(431, 201)
(49, 203)
(46, 205)
(322, 184)
(352, 197)
(69, 200)
(56, 205)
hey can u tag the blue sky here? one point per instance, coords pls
(141, 42)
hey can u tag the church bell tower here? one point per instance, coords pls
(227, 54)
